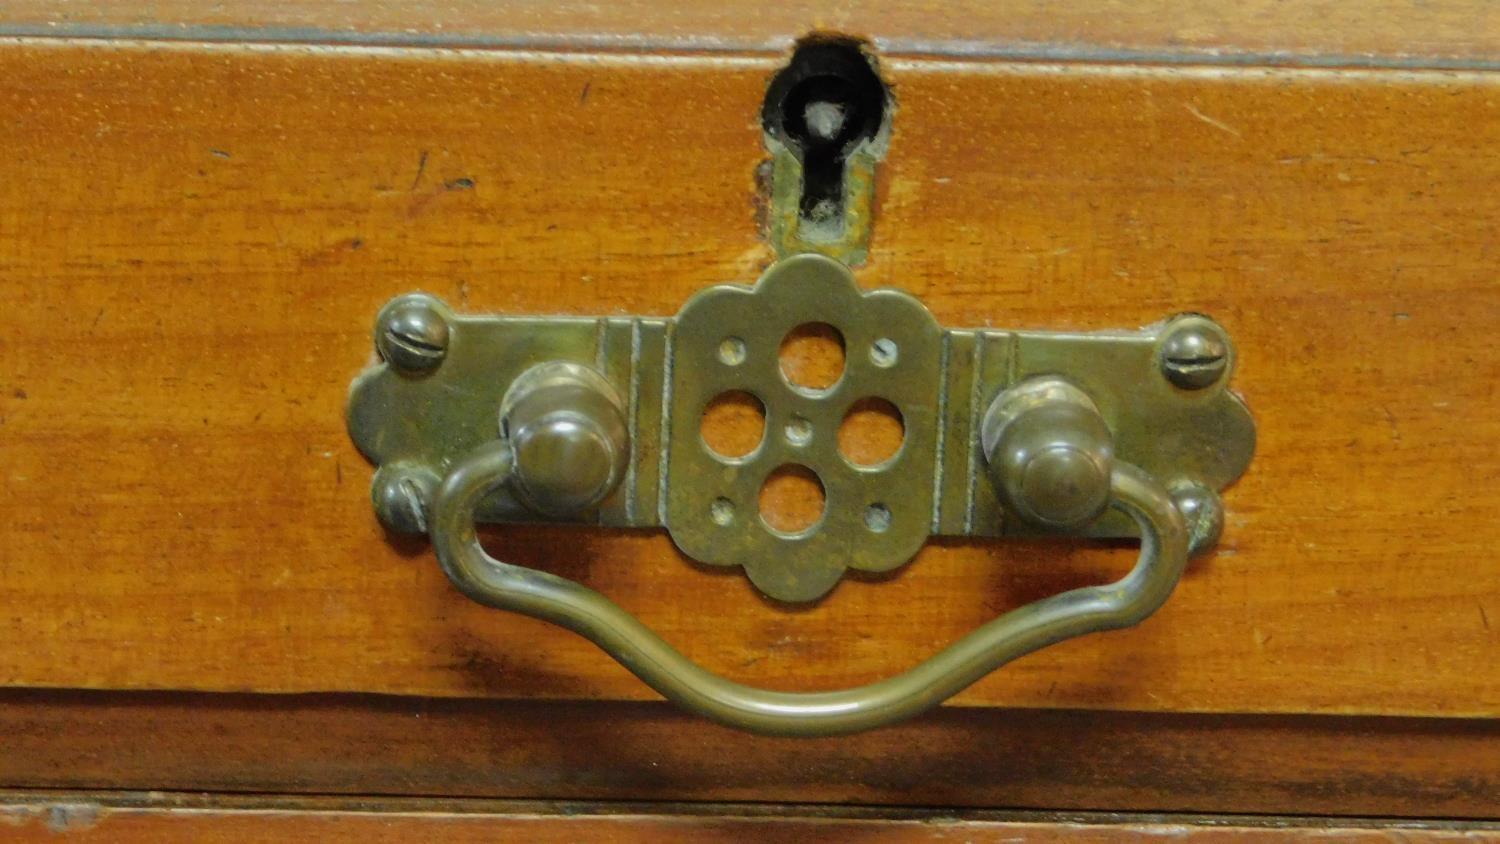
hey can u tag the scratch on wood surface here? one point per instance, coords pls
(421, 168)
(1217, 124)
(1390, 420)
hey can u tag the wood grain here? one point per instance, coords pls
(86, 817)
(1339, 33)
(196, 238)
(956, 758)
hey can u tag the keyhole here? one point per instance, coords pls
(823, 106)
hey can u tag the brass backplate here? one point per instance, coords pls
(727, 338)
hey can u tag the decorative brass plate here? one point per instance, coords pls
(727, 339)
(1161, 390)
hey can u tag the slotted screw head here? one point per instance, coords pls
(402, 497)
(1203, 512)
(1195, 354)
(412, 334)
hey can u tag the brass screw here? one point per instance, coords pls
(412, 334)
(1195, 355)
(402, 496)
(1203, 512)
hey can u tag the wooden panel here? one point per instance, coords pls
(85, 817)
(1460, 33)
(196, 238)
(955, 757)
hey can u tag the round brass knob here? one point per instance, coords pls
(1049, 453)
(566, 427)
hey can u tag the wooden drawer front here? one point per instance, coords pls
(194, 238)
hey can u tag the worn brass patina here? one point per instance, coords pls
(598, 421)
(665, 371)
(1127, 601)
(802, 427)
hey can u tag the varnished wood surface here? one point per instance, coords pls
(161, 819)
(956, 758)
(197, 237)
(1338, 33)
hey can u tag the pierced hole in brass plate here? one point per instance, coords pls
(721, 511)
(792, 500)
(872, 432)
(798, 431)
(732, 351)
(812, 356)
(733, 424)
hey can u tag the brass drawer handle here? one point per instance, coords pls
(601, 421)
(1164, 553)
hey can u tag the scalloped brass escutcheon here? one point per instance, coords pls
(893, 351)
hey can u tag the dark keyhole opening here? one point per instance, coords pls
(823, 105)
